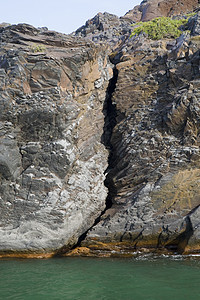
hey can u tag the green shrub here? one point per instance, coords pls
(159, 28)
(38, 48)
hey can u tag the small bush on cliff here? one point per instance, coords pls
(37, 48)
(159, 28)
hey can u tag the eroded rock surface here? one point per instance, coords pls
(154, 171)
(106, 29)
(52, 161)
(150, 9)
(65, 127)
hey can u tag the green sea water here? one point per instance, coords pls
(143, 278)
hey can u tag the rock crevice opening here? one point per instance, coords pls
(109, 112)
(110, 122)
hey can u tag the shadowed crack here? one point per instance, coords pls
(109, 123)
(193, 210)
(181, 241)
(109, 112)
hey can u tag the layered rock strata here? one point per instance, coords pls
(52, 161)
(154, 171)
(150, 9)
(78, 140)
(106, 29)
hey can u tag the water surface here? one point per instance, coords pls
(98, 279)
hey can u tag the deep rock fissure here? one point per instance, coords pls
(109, 112)
(110, 122)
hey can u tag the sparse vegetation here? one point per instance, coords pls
(191, 14)
(159, 28)
(37, 48)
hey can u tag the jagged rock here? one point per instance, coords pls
(154, 168)
(59, 111)
(52, 161)
(194, 24)
(106, 28)
(150, 9)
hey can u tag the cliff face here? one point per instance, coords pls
(150, 9)
(154, 166)
(52, 161)
(69, 123)
(155, 161)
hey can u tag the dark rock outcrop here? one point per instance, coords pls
(107, 29)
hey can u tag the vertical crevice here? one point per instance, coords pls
(109, 111)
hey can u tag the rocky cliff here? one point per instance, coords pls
(154, 168)
(150, 9)
(52, 161)
(153, 173)
(99, 154)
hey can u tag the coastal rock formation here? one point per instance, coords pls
(99, 154)
(150, 9)
(154, 169)
(52, 161)
(107, 29)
